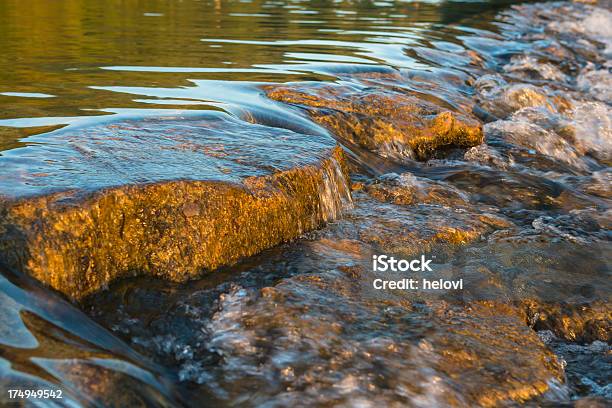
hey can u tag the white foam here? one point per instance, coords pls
(533, 137)
(595, 23)
(593, 128)
(595, 82)
(526, 66)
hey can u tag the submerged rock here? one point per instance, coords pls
(90, 222)
(393, 124)
(487, 156)
(527, 67)
(587, 369)
(586, 322)
(534, 137)
(392, 220)
(318, 334)
(404, 189)
(558, 276)
(509, 348)
(597, 83)
(501, 99)
(598, 184)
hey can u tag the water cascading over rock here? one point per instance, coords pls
(168, 197)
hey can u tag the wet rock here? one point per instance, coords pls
(587, 367)
(405, 189)
(419, 228)
(559, 279)
(501, 99)
(496, 324)
(531, 136)
(579, 225)
(586, 322)
(488, 156)
(586, 126)
(327, 338)
(599, 184)
(581, 29)
(592, 402)
(446, 88)
(570, 131)
(317, 332)
(592, 130)
(389, 123)
(596, 82)
(527, 67)
(551, 121)
(172, 223)
(489, 84)
(509, 190)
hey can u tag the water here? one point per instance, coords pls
(193, 145)
(96, 96)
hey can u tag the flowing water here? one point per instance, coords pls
(100, 94)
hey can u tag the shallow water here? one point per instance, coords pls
(96, 95)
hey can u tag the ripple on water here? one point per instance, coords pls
(170, 145)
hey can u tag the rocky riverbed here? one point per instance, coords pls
(224, 258)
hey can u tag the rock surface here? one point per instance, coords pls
(90, 221)
(390, 123)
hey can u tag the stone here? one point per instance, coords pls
(390, 123)
(154, 196)
(500, 99)
(559, 282)
(406, 189)
(321, 329)
(579, 322)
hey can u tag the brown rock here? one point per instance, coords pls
(560, 284)
(389, 123)
(78, 243)
(406, 189)
(583, 323)
(417, 228)
(496, 358)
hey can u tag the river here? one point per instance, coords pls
(192, 194)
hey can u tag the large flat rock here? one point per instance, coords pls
(169, 196)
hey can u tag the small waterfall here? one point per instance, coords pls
(335, 191)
